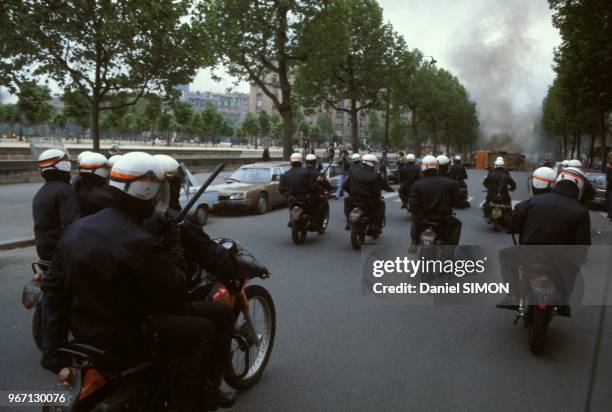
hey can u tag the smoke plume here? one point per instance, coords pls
(496, 58)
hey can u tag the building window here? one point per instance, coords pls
(259, 103)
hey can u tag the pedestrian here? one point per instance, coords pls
(344, 166)
(266, 155)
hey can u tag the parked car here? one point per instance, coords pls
(599, 182)
(332, 173)
(200, 211)
(252, 187)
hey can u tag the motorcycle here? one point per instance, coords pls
(302, 223)
(93, 381)
(538, 293)
(462, 197)
(32, 296)
(360, 225)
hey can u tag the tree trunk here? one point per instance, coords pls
(95, 122)
(591, 150)
(578, 145)
(415, 132)
(604, 132)
(564, 146)
(465, 159)
(434, 139)
(287, 116)
(571, 155)
(354, 126)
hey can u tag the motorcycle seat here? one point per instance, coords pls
(101, 358)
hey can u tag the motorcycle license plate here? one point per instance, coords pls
(427, 240)
(296, 212)
(355, 216)
(31, 295)
(496, 213)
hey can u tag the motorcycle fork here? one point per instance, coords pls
(244, 307)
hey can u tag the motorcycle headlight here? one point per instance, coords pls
(237, 196)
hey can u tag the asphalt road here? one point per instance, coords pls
(337, 350)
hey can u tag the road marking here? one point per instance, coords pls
(514, 203)
(470, 198)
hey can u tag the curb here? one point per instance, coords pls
(16, 243)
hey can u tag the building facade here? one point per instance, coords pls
(232, 106)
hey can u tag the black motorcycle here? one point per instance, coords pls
(95, 382)
(539, 294)
(302, 222)
(361, 225)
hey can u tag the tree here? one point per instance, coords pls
(324, 123)
(164, 123)
(376, 131)
(76, 109)
(152, 110)
(263, 42)
(34, 103)
(182, 112)
(101, 48)
(264, 123)
(354, 63)
(250, 126)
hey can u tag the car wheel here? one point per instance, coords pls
(262, 205)
(202, 214)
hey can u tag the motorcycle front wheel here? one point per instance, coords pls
(250, 357)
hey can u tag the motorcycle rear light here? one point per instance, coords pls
(92, 382)
(66, 376)
(542, 306)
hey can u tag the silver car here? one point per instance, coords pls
(204, 204)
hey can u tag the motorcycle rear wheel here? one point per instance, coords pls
(537, 330)
(258, 355)
(37, 326)
(298, 233)
(357, 236)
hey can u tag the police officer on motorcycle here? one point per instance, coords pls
(54, 207)
(498, 183)
(588, 192)
(408, 173)
(318, 201)
(364, 186)
(553, 216)
(459, 175)
(431, 199)
(443, 165)
(299, 184)
(92, 186)
(115, 276)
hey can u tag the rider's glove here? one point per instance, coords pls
(248, 269)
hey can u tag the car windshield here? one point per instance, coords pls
(251, 175)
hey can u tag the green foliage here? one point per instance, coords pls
(182, 112)
(104, 48)
(324, 123)
(250, 126)
(356, 60)
(34, 103)
(376, 129)
(264, 123)
(76, 107)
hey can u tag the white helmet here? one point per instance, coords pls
(543, 178)
(573, 174)
(410, 158)
(311, 157)
(80, 156)
(369, 160)
(499, 162)
(169, 165)
(53, 159)
(564, 163)
(113, 159)
(296, 157)
(94, 163)
(574, 163)
(429, 162)
(138, 174)
(443, 160)
(355, 157)
(457, 158)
